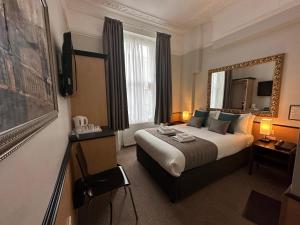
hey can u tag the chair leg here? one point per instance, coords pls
(125, 190)
(88, 210)
(133, 204)
(111, 209)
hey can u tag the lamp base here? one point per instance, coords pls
(265, 140)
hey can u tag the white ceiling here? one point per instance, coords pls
(183, 14)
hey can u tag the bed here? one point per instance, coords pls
(167, 164)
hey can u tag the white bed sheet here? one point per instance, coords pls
(173, 160)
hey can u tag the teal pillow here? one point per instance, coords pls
(229, 117)
(203, 114)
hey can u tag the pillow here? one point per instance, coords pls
(196, 122)
(219, 126)
(250, 124)
(242, 123)
(212, 115)
(202, 113)
(229, 117)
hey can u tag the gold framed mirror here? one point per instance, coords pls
(251, 86)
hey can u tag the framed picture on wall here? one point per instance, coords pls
(28, 100)
(294, 113)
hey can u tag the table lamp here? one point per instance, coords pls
(265, 129)
(185, 115)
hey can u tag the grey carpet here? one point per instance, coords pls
(220, 203)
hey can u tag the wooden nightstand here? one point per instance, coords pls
(267, 154)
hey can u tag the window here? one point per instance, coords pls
(140, 77)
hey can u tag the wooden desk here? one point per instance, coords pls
(99, 149)
(106, 132)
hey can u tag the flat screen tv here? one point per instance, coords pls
(67, 80)
(264, 88)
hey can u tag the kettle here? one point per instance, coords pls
(80, 121)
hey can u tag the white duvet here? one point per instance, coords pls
(173, 160)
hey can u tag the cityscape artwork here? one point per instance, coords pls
(26, 82)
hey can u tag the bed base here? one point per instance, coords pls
(194, 179)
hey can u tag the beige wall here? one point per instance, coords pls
(191, 66)
(283, 40)
(87, 43)
(176, 82)
(28, 176)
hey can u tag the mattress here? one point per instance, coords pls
(173, 160)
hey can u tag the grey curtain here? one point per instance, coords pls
(113, 46)
(227, 90)
(163, 109)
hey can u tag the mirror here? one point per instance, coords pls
(252, 86)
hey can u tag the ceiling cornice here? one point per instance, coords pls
(126, 11)
(121, 8)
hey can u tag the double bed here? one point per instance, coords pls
(169, 165)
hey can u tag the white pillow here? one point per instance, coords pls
(250, 123)
(212, 115)
(242, 124)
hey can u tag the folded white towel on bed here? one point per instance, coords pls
(184, 137)
(166, 130)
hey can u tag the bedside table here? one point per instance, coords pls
(266, 154)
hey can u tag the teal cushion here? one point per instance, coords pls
(229, 117)
(203, 114)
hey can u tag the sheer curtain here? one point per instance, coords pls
(140, 77)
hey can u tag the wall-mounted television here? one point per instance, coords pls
(67, 78)
(264, 88)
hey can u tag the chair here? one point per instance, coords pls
(107, 181)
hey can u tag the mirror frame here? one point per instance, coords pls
(274, 107)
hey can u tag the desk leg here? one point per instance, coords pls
(87, 215)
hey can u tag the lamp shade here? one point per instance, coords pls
(266, 126)
(185, 115)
